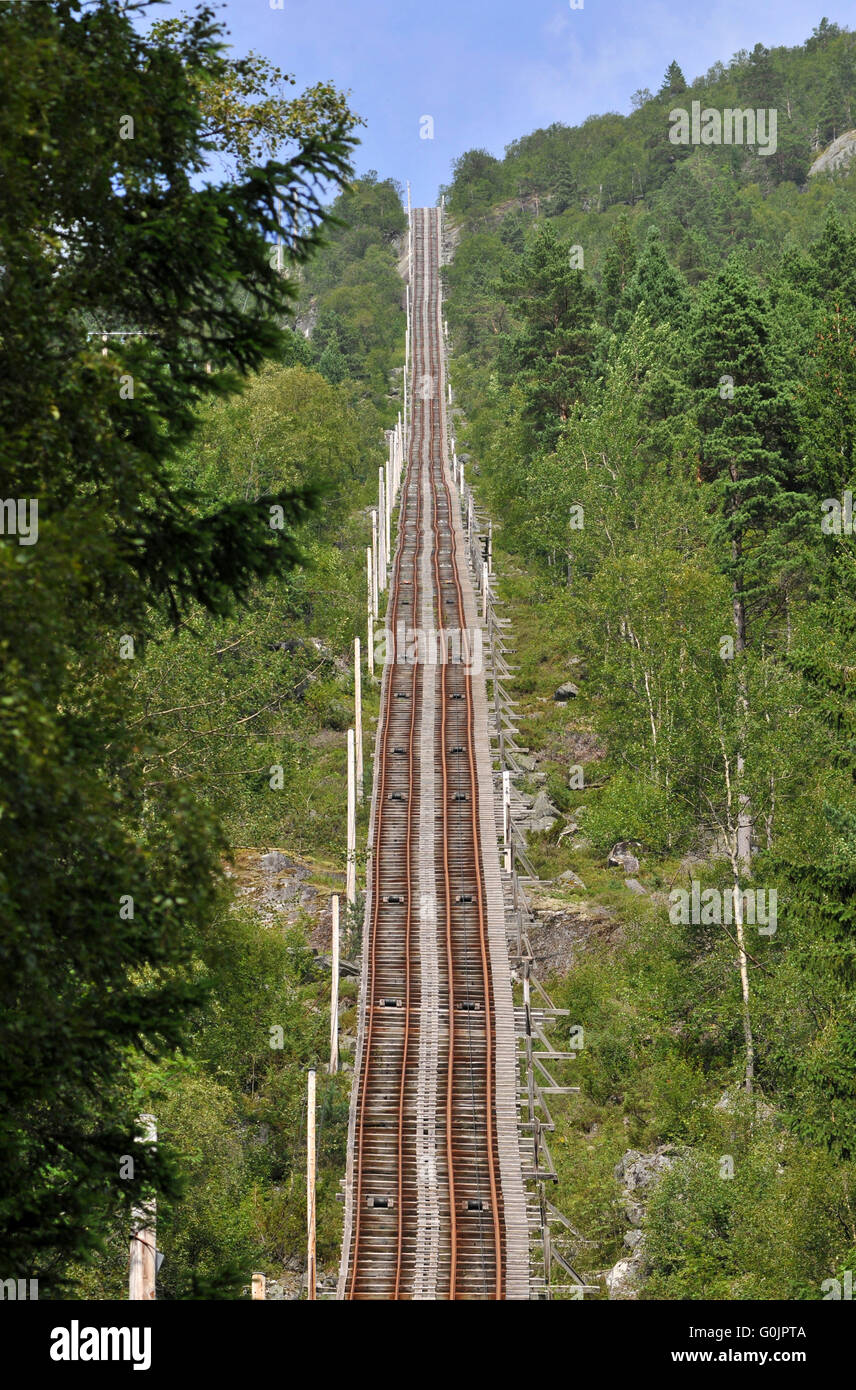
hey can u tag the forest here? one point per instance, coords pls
(654, 370)
(176, 671)
(655, 361)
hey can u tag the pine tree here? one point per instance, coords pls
(656, 285)
(745, 423)
(762, 84)
(833, 115)
(109, 879)
(746, 415)
(674, 81)
(833, 256)
(548, 357)
(565, 190)
(828, 409)
(619, 264)
(332, 363)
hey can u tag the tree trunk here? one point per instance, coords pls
(742, 859)
(737, 899)
(744, 808)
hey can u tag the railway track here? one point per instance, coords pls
(431, 1152)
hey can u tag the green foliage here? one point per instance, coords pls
(555, 306)
(674, 81)
(107, 891)
(655, 286)
(770, 1231)
(631, 808)
(720, 194)
(354, 290)
(662, 522)
(746, 417)
(246, 114)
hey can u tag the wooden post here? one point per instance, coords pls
(545, 1227)
(310, 1185)
(334, 989)
(399, 456)
(396, 467)
(370, 615)
(506, 818)
(351, 867)
(490, 547)
(484, 589)
(381, 530)
(530, 1073)
(470, 517)
(383, 527)
(259, 1286)
(461, 474)
(143, 1262)
(358, 715)
(374, 563)
(399, 460)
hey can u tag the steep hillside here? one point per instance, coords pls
(655, 364)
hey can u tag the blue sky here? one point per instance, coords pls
(489, 71)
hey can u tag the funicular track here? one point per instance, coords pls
(428, 1156)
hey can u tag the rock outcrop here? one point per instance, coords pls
(639, 1174)
(838, 155)
(621, 856)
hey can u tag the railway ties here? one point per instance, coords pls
(434, 1194)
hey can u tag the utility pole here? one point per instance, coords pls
(351, 866)
(143, 1261)
(409, 234)
(310, 1185)
(370, 615)
(334, 989)
(358, 715)
(374, 563)
(382, 528)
